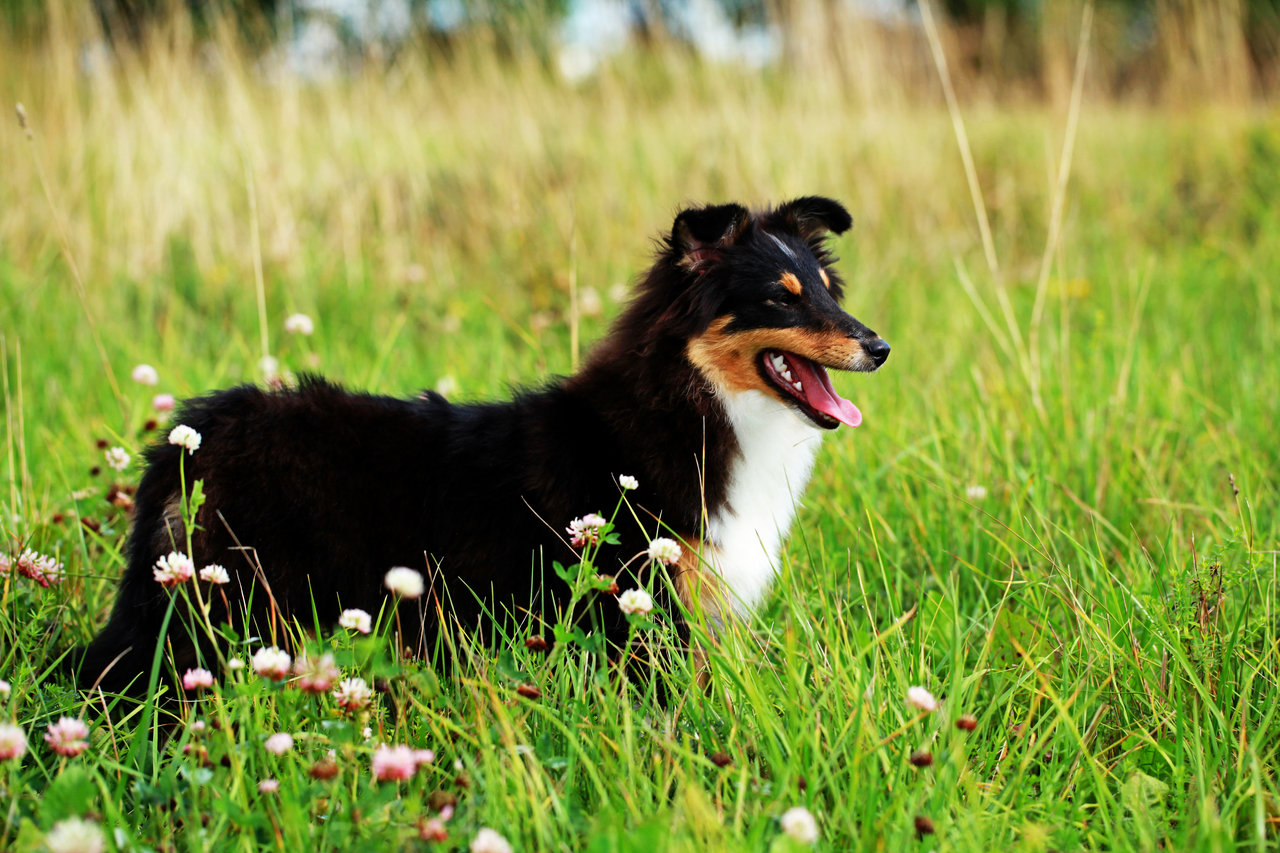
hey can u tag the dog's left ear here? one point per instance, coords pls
(700, 234)
(812, 217)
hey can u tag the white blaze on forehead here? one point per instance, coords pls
(783, 246)
(777, 446)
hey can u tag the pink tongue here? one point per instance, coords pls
(818, 392)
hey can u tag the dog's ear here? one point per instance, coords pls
(812, 217)
(700, 234)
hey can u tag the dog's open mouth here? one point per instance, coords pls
(807, 383)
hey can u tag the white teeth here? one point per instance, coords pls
(783, 369)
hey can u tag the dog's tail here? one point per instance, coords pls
(120, 658)
(117, 661)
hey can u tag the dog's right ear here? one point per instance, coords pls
(700, 234)
(812, 217)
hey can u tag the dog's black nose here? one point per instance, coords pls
(877, 349)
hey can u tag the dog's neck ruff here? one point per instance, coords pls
(777, 447)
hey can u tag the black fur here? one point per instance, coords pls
(327, 489)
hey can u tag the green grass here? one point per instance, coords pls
(1105, 607)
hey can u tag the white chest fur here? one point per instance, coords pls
(766, 481)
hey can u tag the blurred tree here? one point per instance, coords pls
(1178, 50)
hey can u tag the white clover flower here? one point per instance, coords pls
(628, 482)
(270, 367)
(490, 841)
(42, 569)
(118, 458)
(635, 601)
(356, 619)
(433, 829)
(664, 550)
(589, 302)
(75, 835)
(976, 492)
(352, 694)
(234, 664)
(447, 385)
(197, 679)
(163, 402)
(173, 569)
(68, 736)
(394, 763)
(13, 741)
(299, 324)
(268, 786)
(404, 582)
(215, 574)
(800, 824)
(4, 689)
(271, 662)
(315, 675)
(586, 530)
(145, 374)
(184, 436)
(279, 743)
(922, 699)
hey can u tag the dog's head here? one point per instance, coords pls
(757, 300)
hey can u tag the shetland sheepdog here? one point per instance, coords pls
(711, 391)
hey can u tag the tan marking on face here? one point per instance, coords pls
(822, 274)
(728, 359)
(790, 282)
(723, 359)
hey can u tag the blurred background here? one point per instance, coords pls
(1152, 50)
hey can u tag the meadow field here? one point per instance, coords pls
(1059, 516)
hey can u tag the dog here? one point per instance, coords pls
(711, 391)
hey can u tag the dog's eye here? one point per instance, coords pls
(786, 299)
